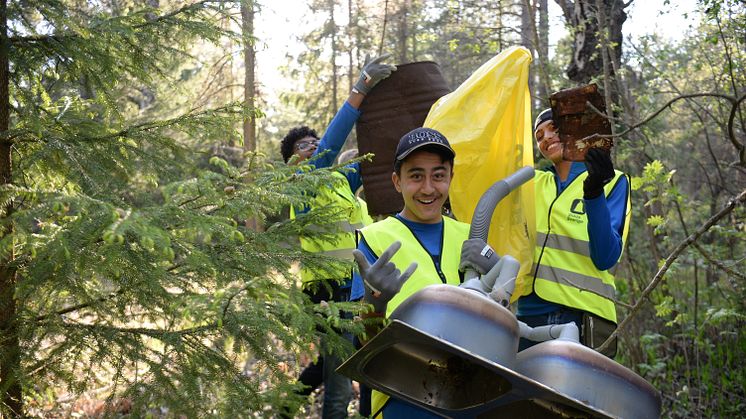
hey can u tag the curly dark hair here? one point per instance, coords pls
(295, 134)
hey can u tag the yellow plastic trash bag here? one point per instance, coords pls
(487, 120)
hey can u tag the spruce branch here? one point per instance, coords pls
(188, 8)
(163, 335)
(227, 303)
(60, 38)
(77, 307)
(157, 125)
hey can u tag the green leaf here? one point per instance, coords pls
(665, 307)
(655, 220)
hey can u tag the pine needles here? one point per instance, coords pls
(134, 265)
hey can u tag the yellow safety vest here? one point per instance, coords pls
(367, 219)
(379, 236)
(563, 271)
(350, 213)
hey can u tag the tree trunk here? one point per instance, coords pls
(10, 361)
(333, 36)
(413, 30)
(586, 63)
(542, 53)
(402, 33)
(350, 25)
(544, 90)
(526, 41)
(500, 28)
(249, 84)
(603, 35)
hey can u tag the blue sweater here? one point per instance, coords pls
(333, 140)
(605, 227)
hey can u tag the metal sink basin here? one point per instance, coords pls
(584, 374)
(463, 318)
(435, 376)
(443, 378)
(453, 351)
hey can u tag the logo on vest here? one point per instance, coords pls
(577, 211)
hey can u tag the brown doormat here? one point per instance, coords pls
(396, 106)
(576, 122)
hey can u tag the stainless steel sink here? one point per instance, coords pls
(584, 374)
(411, 365)
(453, 352)
(464, 318)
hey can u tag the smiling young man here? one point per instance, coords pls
(582, 218)
(420, 237)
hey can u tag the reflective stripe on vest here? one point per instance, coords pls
(563, 271)
(348, 217)
(339, 226)
(583, 282)
(569, 244)
(379, 236)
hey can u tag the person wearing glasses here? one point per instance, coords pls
(299, 145)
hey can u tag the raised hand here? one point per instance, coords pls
(600, 172)
(383, 280)
(373, 72)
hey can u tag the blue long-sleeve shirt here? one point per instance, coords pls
(330, 145)
(334, 138)
(606, 218)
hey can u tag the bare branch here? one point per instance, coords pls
(728, 56)
(735, 103)
(734, 202)
(671, 83)
(702, 251)
(720, 265)
(732, 135)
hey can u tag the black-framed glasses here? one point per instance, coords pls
(305, 145)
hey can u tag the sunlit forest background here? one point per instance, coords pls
(145, 265)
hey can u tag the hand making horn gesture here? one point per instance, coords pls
(383, 280)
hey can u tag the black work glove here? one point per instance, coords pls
(600, 172)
